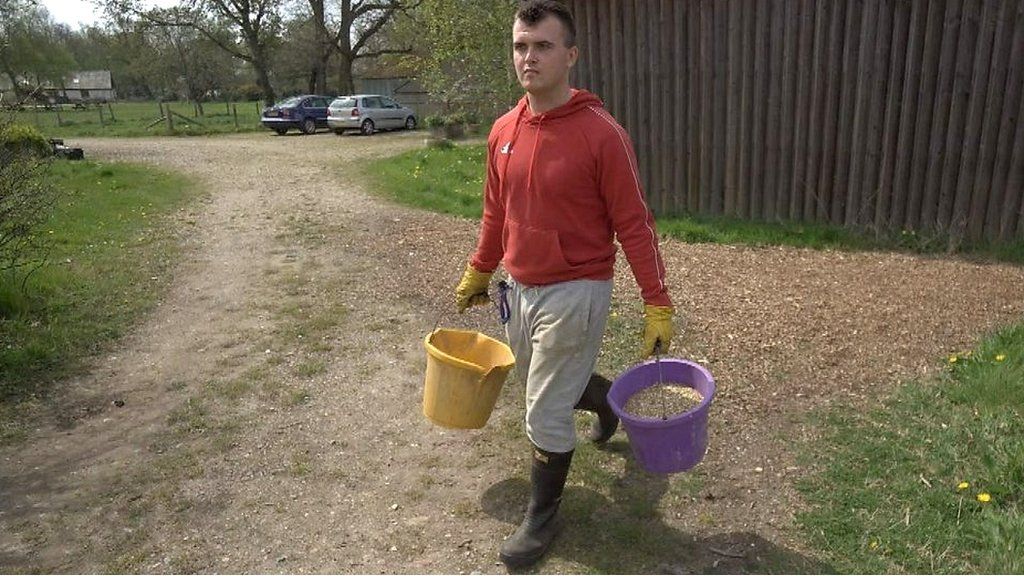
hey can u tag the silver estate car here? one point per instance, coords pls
(368, 113)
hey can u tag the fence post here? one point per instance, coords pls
(170, 118)
(227, 107)
(102, 123)
(234, 112)
(161, 106)
(111, 110)
(59, 123)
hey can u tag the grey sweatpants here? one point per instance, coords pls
(555, 333)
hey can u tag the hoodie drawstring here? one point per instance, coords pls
(533, 155)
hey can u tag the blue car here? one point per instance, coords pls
(306, 113)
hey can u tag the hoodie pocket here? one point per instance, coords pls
(533, 253)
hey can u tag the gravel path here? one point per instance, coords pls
(272, 419)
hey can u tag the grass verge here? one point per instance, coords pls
(450, 180)
(933, 480)
(110, 249)
(137, 119)
(447, 180)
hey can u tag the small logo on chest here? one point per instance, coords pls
(507, 148)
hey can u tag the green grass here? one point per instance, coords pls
(885, 495)
(446, 180)
(134, 118)
(450, 180)
(110, 250)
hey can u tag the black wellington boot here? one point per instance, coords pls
(533, 537)
(595, 399)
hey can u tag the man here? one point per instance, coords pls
(562, 185)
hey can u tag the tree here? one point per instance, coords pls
(352, 31)
(123, 48)
(255, 23)
(296, 59)
(464, 53)
(323, 48)
(26, 198)
(31, 51)
(194, 65)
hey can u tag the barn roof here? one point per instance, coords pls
(88, 80)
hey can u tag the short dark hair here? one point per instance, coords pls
(533, 11)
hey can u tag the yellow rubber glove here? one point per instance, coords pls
(472, 290)
(657, 328)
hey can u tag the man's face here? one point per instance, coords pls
(541, 58)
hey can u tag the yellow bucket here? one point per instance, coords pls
(465, 372)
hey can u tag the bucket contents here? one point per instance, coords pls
(662, 401)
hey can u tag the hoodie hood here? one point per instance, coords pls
(580, 99)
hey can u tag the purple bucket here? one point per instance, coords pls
(679, 442)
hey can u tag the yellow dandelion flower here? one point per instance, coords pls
(873, 544)
(1000, 357)
(963, 485)
(984, 497)
(953, 359)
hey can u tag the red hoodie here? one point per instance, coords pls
(560, 186)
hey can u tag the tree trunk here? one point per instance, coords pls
(345, 82)
(260, 65)
(263, 81)
(321, 70)
(324, 48)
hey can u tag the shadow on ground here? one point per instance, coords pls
(625, 534)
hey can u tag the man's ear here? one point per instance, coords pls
(574, 54)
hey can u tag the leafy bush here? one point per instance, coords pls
(23, 140)
(26, 199)
(450, 119)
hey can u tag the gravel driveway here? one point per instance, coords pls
(271, 418)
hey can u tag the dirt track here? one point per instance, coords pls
(271, 418)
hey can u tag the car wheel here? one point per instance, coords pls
(281, 131)
(410, 123)
(367, 127)
(308, 126)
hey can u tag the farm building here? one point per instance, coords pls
(88, 86)
(882, 115)
(82, 86)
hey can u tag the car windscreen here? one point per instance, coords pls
(344, 103)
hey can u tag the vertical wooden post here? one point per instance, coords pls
(102, 123)
(59, 123)
(170, 118)
(111, 110)
(234, 112)
(227, 107)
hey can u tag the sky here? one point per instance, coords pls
(74, 13)
(78, 13)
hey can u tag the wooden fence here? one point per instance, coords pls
(873, 114)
